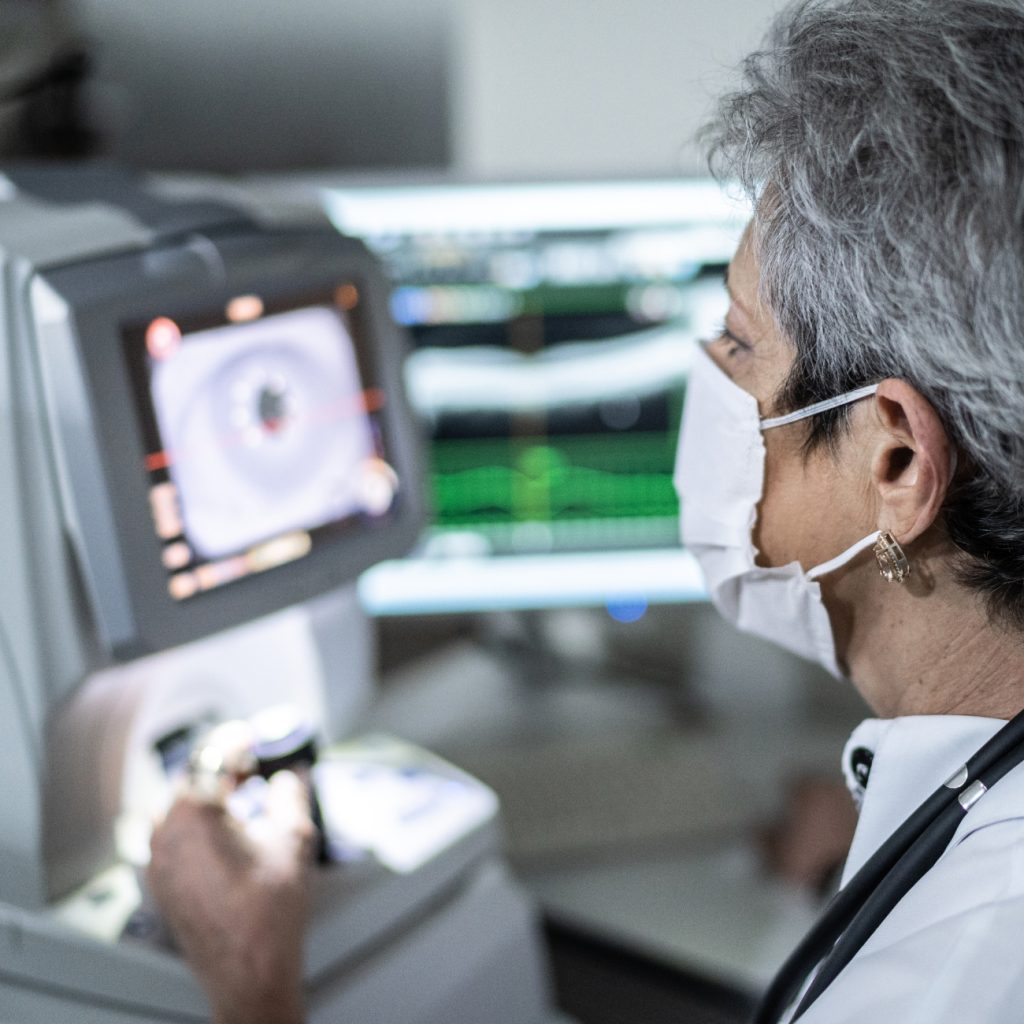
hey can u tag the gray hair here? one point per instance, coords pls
(883, 144)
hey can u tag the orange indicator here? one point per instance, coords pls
(177, 555)
(243, 308)
(182, 585)
(346, 296)
(163, 502)
(158, 460)
(163, 338)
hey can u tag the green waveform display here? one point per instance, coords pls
(588, 480)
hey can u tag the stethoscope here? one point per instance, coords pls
(864, 902)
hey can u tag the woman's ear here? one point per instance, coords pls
(912, 465)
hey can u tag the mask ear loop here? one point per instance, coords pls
(812, 410)
(846, 556)
(823, 406)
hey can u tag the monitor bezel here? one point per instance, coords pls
(110, 522)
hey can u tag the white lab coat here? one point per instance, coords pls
(952, 951)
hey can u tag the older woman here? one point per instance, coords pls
(863, 409)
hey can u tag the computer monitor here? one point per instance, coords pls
(552, 326)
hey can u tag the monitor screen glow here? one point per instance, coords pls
(262, 435)
(553, 327)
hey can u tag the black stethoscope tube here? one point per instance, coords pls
(864, 902)
(908, 870)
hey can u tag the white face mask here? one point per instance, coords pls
(720, 479)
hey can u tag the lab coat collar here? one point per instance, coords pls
(910, 758)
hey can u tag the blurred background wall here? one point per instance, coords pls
(485, 87)
(594, 87)
(233, 85)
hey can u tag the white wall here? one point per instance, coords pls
(593, 87)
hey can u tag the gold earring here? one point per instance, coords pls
(892, 562)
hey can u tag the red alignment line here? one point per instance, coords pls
(370, 400)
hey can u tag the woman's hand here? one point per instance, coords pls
(809, 845)
(237, 900)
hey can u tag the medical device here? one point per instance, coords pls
(203, 440)
(857, 910)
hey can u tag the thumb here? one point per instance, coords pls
(287, 809)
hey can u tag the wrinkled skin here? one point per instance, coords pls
(237, 900)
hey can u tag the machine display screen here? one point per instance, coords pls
(263, 435)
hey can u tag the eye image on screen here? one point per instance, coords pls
(266, 434)
(265, 428)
